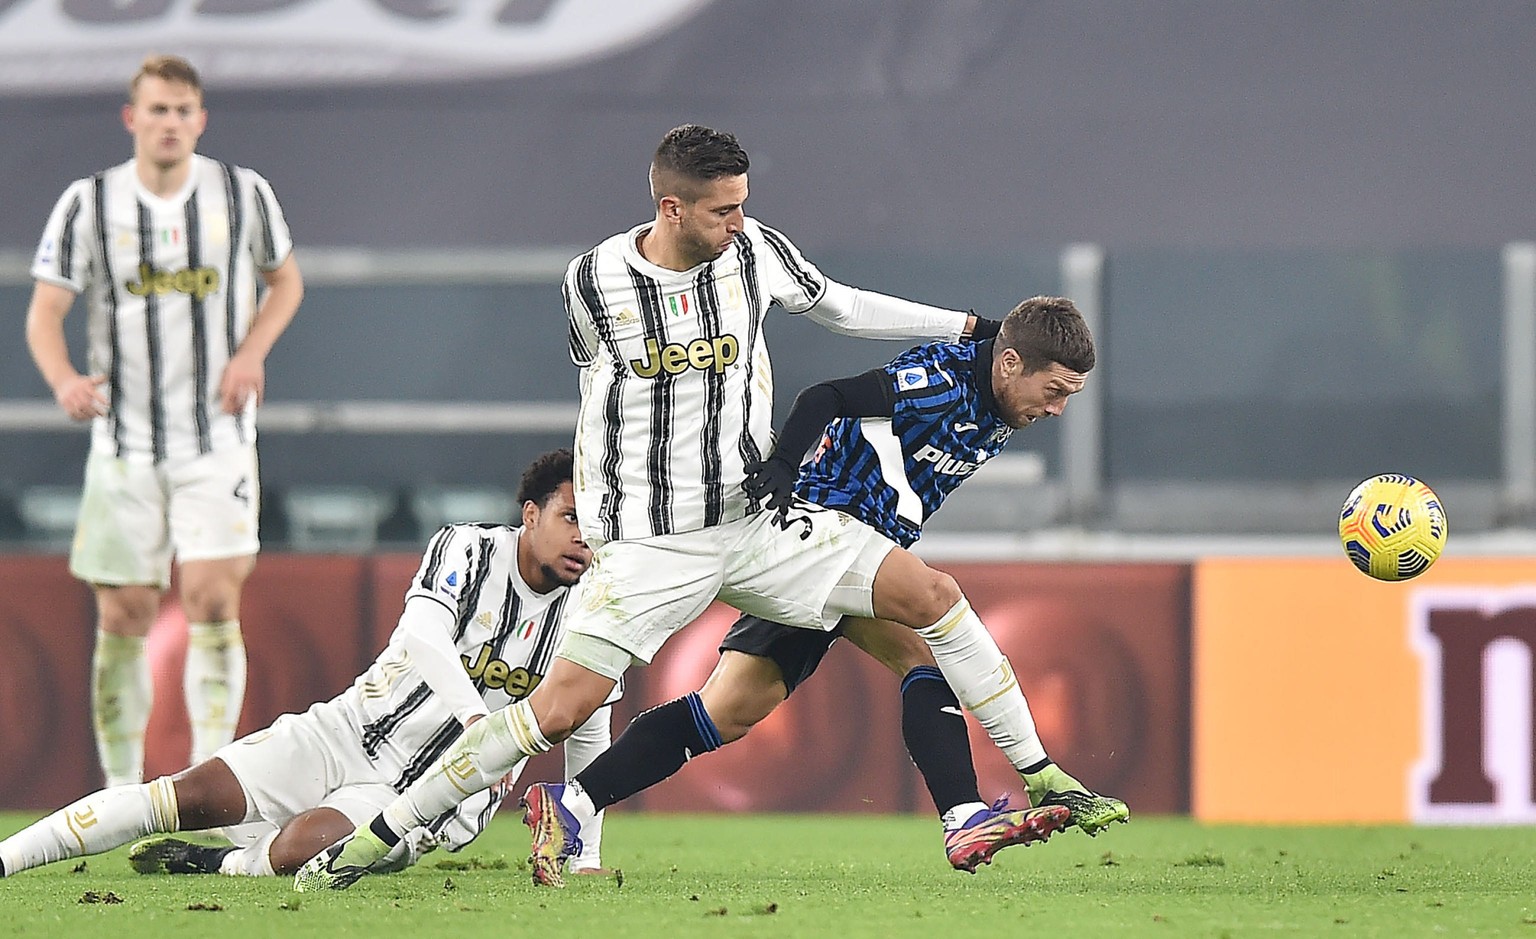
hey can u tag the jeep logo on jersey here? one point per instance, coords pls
(946, 464)
(516, 682)
(674, 358)
(73, 45)
(199, 282)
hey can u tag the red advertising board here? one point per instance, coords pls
(1100, 649)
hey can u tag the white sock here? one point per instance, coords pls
(253, 860)
(214, 682)
(481, 756)
(579, 804)
(984, 682)
(103, 820)
(121, 694)
(960, 814)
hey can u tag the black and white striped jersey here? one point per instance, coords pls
(170, 290)
(504, 633)
(676, 385)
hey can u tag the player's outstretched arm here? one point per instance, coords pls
(771, 481)
(852, 311)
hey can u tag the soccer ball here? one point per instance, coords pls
(1392, 527)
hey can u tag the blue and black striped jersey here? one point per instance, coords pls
(893, 472)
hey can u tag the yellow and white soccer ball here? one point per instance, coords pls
(1392, 527)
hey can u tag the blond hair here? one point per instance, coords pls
(171, 68)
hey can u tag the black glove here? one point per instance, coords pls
(771, 483)
(985, 329)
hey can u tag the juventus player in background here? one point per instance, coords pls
(481, 621)
(942, 409)
(665, 323)
(167, 249)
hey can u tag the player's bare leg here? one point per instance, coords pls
(206, 796)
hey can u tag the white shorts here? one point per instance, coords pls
(810, 575)
(316, 760)
(135, 515)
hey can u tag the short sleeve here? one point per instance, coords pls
(271, 241)
(450, 563)
(63, 254)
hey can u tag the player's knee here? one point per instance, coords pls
(304, 837)
(208, 796)
(210, 602)
(936, 595)
(126, 611)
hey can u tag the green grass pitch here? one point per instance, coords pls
(845, 876)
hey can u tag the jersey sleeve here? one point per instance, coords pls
(792, 281)
(453, 560)
(64, 252)
(579, 290)
(271, 241)
(922, 382)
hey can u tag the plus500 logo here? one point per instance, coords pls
(70, 45)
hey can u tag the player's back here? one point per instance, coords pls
(893, 473)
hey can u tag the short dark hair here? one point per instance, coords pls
(171, 68)
(692, 154)
(544, 475)
(1043, 330)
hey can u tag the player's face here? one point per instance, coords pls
(558, 555)
(165, 118)
(708, 224)
(1025, 397)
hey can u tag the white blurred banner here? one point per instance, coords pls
(57, 46)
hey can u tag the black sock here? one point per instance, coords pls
(655, 745)
(937, 739)
(380, 828)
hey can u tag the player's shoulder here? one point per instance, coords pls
(120, 172)
(934, 355)
(608, 251)
(210, 169)
(472, 535)
(760, 232)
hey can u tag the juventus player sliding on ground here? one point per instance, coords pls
(941, 410)
(481, 621)
(665, 323)
(166, 249)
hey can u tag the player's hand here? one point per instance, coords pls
(245, 380)
(81, 397)
(771, 483)
(983, 329)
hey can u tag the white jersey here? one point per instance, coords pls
(504, 632)
(676, 384)
(170, 288)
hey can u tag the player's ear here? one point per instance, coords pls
(671, 208)
(530, 513)
(128, 117)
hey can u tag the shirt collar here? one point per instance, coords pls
(983, 367)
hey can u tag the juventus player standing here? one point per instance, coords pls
(482, 618)
(166, 248)
(676, 399)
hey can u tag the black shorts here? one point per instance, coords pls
(796, 651)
